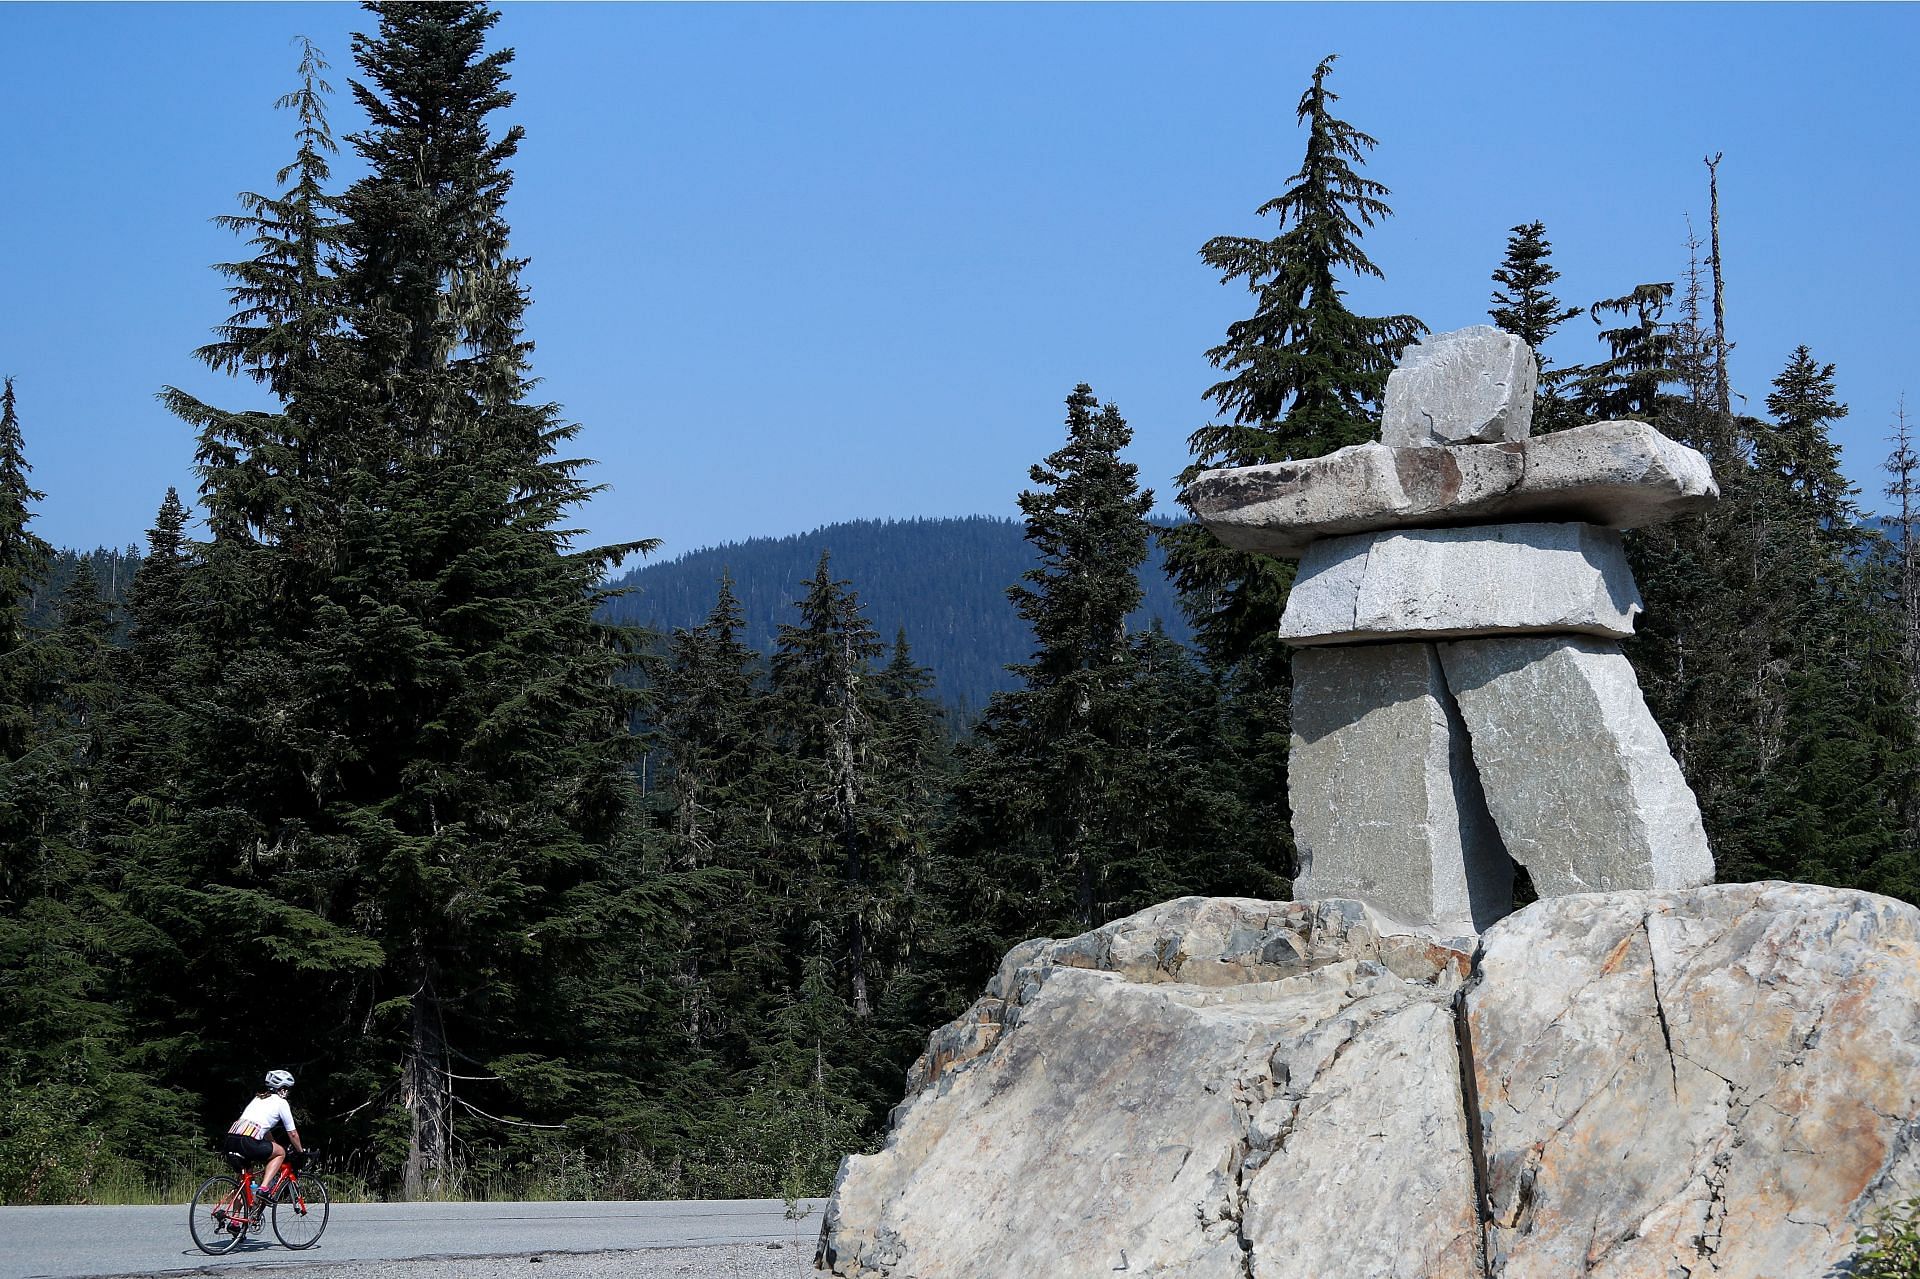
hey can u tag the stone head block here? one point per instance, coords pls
(1470, 386)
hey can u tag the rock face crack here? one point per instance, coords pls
(1707, 1242)
(1250, 1092)
(1283, 1107)
(1659, 1005)
(1470, 1110)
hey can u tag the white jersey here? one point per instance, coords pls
(261, 1114)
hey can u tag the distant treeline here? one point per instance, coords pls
(112, 572)
(943, 581)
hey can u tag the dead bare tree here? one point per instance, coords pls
(1903, 464)
(1723, 397)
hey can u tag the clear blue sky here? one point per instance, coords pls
(796, 264)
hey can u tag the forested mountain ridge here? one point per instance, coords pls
(944, 580)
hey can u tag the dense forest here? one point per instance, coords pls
(363, 774)
(942, 580)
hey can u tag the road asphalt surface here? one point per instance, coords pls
(727, 1237)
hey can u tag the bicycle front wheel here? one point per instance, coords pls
(216, 1224)
(300, 1213)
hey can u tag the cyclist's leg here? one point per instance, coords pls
(273, 1167)
(241, 1154)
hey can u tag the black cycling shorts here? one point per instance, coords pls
(252, 1149)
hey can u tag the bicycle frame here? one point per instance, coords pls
(290, 1184)
(251, 1197)
(229, 1208)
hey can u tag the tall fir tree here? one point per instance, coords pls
(1034, 806)
(437, 740)
(1799, 458)
(152, 780)
(1306, 377)
(488, 767)
(1524, 305)
(1086, 520)
(912, 738)
(1639, 362)
(850, 800)
(1770, 652)
(24, 556)
(1903, 548)
(824, 702)
(24, 685)
(48, 982)
(711, 725)
(1091, 789)
(710, 728)
(1845, 779)
(1305, 372)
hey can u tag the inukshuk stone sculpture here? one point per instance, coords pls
(1461, 701)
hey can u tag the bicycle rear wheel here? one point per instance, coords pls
(211, 1217)
(300, 1213)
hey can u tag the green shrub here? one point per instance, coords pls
(1890, 1247)
(48, 1154)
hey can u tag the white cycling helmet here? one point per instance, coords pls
(278, 1079)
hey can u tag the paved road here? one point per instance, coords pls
(36, 1242)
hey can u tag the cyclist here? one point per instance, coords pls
(252, 1135)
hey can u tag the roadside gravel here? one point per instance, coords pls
(731, 1261)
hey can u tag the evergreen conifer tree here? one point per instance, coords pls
(1305, 372)
(155, 669)
(1771, 650)
(1844, 778)
(24, 556)
(710, 730)
(24, 683)
(849, 791)
(1798, 455)
(1306, 377)
(912, 739)
(435, 740)
(711, 725)
(1086, 519)
(1524, 305)
(152, 788)
(1640, 356)
(485, 741)
(1069, 806)
(1035, 801)
(824, 701)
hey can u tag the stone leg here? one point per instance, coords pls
(1577, 774)
(1386, 806)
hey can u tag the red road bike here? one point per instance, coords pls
(230, 1206)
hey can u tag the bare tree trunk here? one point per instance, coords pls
(1904, 466)
(1723, 397)
(847, 751)
(428, 1101)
